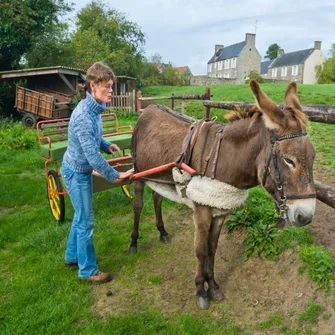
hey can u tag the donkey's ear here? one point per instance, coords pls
(291, 99)
(273, 116)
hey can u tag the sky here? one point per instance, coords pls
(184, 32)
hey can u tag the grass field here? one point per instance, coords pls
(39, 296)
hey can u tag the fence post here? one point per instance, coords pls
(183, 105)
(139, 102)
(172, 101)
(133, 98)
(208, 97)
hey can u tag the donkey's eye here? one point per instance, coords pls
(289, 162)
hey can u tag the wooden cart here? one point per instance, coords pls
(52, 136)
(41, 103)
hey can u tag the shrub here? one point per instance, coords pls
(13, 136)
(255, 76)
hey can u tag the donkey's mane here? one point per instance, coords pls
(253, 113)
(243, 113)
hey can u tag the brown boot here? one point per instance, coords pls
(99, 278)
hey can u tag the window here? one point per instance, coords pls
(284, 71)
(274, 73)
(294, 70)
(215, 65)
(220, 66)
(226, 75)
(226, 64)
(210, 67)
(233, 63)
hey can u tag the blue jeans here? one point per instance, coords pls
(80, 247)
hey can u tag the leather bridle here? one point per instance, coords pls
(283, 198)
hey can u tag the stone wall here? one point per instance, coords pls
(204, 80)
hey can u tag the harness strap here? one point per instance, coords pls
(189, 143)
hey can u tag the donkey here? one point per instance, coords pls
(267, 146)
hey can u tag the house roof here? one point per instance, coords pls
(182, 69)
(265, 65)
(292, 58)
(228, 52)
(41, 71)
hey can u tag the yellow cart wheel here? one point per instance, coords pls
(56, 201)
(128, 190)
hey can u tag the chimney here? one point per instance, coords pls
(250, 39)
(280, 52)
(218, 47)
(317, 45)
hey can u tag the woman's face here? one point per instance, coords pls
(102, 92)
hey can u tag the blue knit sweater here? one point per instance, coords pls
(85, 140)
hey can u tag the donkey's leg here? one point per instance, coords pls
(213, 291)
(157, 198)
(202, 222)
(137, 208)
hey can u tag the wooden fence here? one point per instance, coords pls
(206, 96)
(123, 103)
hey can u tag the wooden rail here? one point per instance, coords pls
(316, 113)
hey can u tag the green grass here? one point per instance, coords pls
(39, 296)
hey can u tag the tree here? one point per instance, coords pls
(326, 71)
(272, 51)
(22, 21)
(105, 34)
(52, 48)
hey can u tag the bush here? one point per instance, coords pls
(14, 137)
(255, 76)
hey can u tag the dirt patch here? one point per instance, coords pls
(254, 290)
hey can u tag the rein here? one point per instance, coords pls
(279, 186)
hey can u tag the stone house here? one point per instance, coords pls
(297, 66)
(235, 61)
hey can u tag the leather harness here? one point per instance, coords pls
(273, 155)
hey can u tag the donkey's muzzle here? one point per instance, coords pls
(301, 212)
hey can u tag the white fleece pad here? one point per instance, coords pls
(209, 192)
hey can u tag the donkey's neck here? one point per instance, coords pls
(240, 152)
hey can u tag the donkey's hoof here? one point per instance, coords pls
(165, 239)
(202, 302)
(132, 250)
(215, 294)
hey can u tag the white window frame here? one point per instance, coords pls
(226, 64)
(295, 70)
(274, 73)
(233, 63)
(210, 67)
(226, 75)
(220, 66)
(284, 71)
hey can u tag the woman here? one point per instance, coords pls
(80, 159)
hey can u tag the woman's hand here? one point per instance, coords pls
(127, 174)
(112, 148)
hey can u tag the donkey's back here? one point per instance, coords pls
(158, 137)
